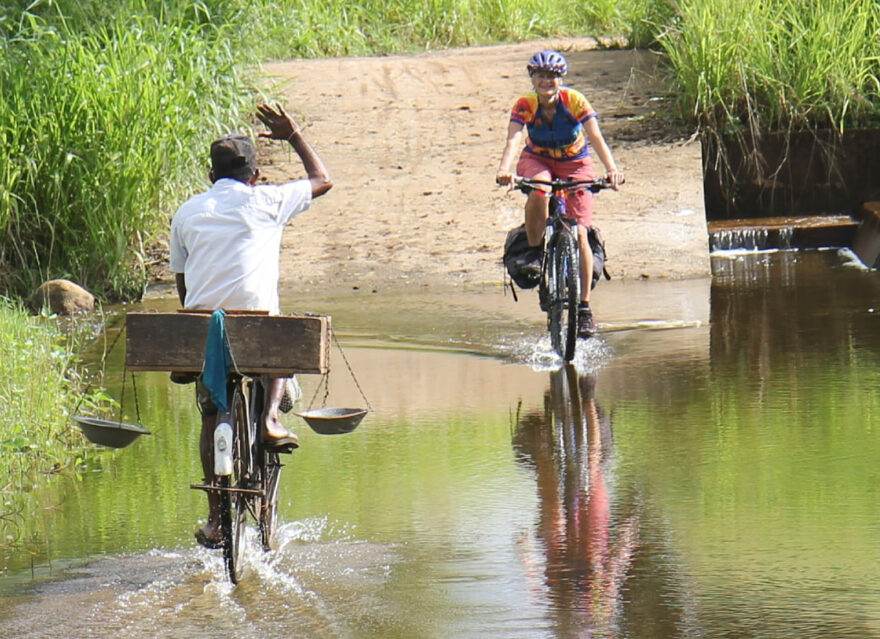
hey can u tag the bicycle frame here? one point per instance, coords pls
(247, 474)
(559, 289)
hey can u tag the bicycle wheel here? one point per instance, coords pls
(563, 295)
(235, 504)
(266, 472)
(271, 472)
(226, 528)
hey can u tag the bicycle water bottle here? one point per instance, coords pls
(560, 205)
(223, 449)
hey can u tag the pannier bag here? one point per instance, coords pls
(518, 253)
(597, 245)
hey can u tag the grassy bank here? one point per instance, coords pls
(42, 383)
(764, 65)
(299, 28)
(41, 373)
(100, 134)
(743, 69)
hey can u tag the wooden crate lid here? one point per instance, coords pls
(259, 343)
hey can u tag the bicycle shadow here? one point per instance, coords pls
(584, 552)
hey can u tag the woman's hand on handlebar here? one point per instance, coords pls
(504, 178)
(614, 178)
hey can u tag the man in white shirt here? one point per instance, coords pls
(225, 250)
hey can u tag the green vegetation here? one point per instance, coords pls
(40, 372)
(742, 69)
(97, 130)
(766, 65)
(42, 384)
(105, 110)
(296, 28)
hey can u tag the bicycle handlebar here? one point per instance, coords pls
(556, 184)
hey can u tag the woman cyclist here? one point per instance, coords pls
(561, 127)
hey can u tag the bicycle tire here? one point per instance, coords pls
(563, 295)
(267, 473)
(236, 508)
(226, 532)
(271, 472)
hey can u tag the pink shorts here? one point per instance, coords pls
(579, 204)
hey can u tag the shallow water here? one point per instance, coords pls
(706, 469)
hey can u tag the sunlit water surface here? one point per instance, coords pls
(708, 468)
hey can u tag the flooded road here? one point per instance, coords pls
(707, 468)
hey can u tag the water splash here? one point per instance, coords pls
(851, 260)
(784, 238)
(590, 354)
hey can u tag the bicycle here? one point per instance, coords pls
(243, 472)
(559, 288)
(260, 347)
(247, 473)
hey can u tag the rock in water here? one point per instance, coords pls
(62, 297)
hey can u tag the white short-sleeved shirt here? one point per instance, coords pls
(227, 243)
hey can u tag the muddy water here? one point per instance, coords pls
(705, 469)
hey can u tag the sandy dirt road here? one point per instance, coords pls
(413, 142)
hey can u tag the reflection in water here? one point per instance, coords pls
(587, 554)
(737, 498)
(774, 309)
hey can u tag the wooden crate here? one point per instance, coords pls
(259, 343)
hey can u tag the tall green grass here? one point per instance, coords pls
(307, 28)
(775, 64)
(100, 135)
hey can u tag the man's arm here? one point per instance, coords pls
(181, 288)
(318, 174)
(282, 127)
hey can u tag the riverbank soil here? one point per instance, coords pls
(413, 144)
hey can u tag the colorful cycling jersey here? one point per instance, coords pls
(563, 138)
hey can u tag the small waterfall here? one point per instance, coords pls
(745, 238)
(785, 235)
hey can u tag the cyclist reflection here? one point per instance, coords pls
(586, 549)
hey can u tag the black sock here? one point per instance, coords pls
(584, 306)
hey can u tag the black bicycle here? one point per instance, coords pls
(247, 472)
(560, 284)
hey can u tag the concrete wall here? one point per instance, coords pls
(867, 241)
(801, 173)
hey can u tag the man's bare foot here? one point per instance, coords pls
(209, 536)
(276, 436)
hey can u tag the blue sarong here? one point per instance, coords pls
(216, 364)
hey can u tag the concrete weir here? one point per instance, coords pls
(824, 181)
(782, 232)
(860, 232)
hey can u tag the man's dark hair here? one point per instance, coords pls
(233, 156)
